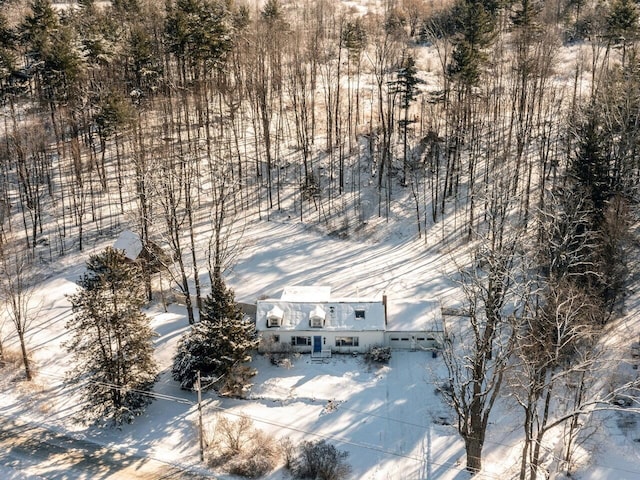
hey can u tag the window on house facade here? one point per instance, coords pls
(274, 322)
(347, 341)
(316, 317)
(316, 322)
(297, 341)
(274, 317)
(359, 313)
(275, 338)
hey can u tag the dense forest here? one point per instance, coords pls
(512, 126)
(162, 116)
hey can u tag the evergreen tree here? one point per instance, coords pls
(8, 57)
(38, 26)
(126, 7)
(589, 167)
(54, 51)
(221, 303)
(406, 85)
(407, 82)
(10, 85)
(143, 61)
(219, 343)
(593, 179)
(476, 27)
(272, 11)
(621, 25)
(113, 113)
(111, 339)
(64, 66)
(199, 34)
(354, 37)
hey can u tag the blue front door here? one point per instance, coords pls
(317, 343)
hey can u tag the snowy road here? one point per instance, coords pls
(33, 452)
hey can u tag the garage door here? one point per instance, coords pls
(400, 341)
(415, 340)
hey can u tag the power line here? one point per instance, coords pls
(345, 441)
(449, 466)
(155, 395)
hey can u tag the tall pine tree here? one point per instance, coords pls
(476, 30)
(407, 86)
(111, 340)
(218, 344)
(594, 176)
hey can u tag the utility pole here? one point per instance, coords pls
(200, 428)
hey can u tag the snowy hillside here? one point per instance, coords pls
(390, 419)
(483, 156)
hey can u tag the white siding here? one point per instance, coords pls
(366, 340)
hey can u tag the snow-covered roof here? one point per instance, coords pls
(307, 293)
(337, 315)
(129, 242)
(414, 316)
(318, 312)
(275, 312)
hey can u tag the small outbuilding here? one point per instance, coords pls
(151, 256)
(130, 243)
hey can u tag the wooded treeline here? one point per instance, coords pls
(168, 115)
(510, 125)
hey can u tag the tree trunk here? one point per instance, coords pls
(473, 446)
(25, 356)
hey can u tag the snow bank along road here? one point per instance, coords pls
(32, 451)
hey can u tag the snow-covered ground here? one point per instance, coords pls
(390, 419)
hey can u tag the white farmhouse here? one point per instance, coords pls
(310, 320)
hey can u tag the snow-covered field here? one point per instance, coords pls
(390, 419)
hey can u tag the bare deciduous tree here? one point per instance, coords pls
(17, 288)
(477, 355)
(222, 244)
(554, 346)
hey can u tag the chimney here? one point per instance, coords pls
(384, 304)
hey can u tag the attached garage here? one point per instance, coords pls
(414, 325)
(412, 341)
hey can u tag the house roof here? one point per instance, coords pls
(299, 304)
(339, 316)
(318, 312)
(275, 312)
(129, 242)
(414, 316)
